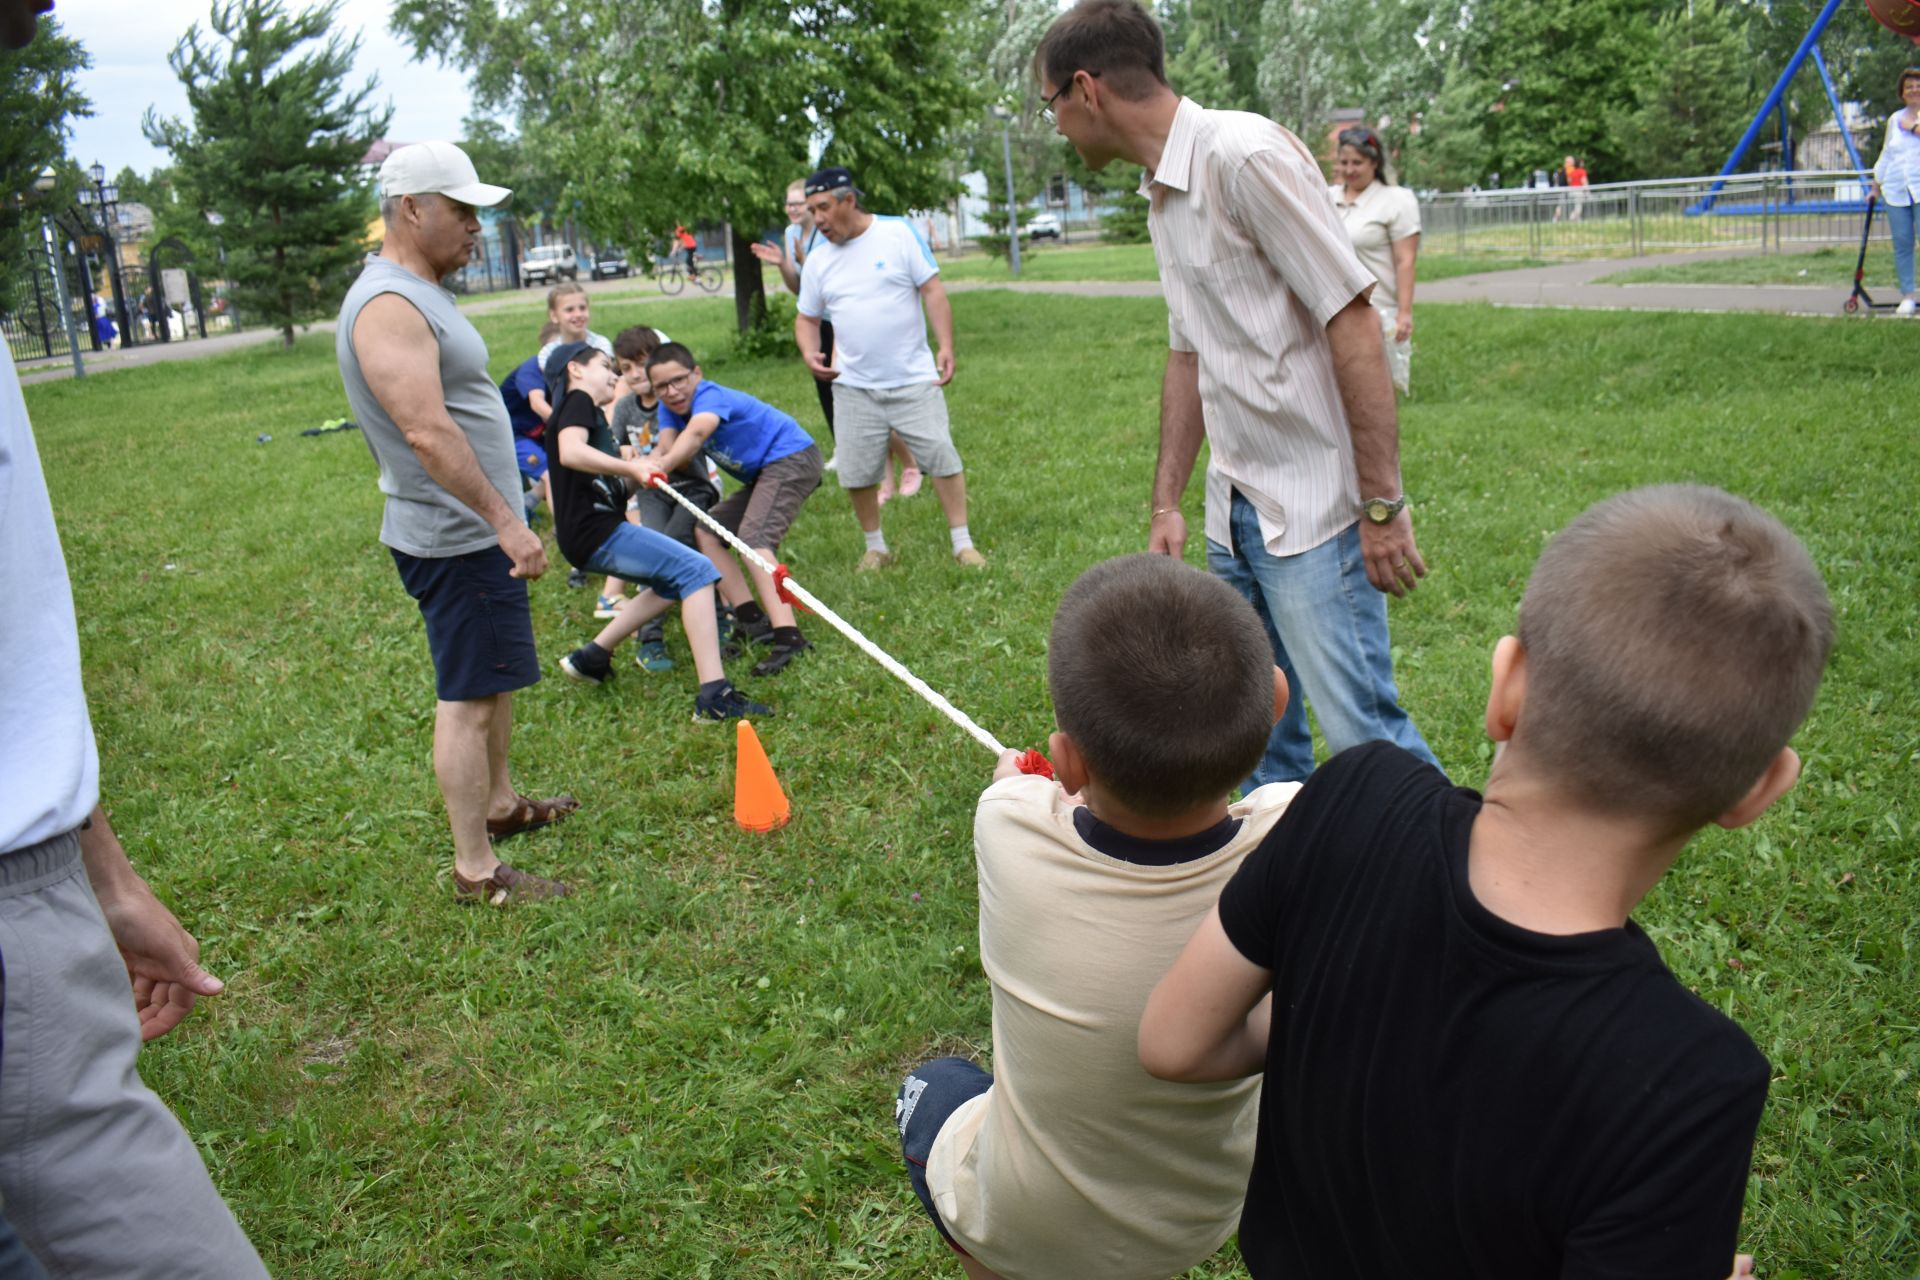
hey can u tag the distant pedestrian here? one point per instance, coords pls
(1896, 184)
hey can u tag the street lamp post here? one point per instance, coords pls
(105, 197)
(44, 184)
(1005, 117)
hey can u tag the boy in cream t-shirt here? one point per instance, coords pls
(1069, 1160)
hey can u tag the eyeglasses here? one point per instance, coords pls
(673, 384)
(1046, 108)
(796, 204)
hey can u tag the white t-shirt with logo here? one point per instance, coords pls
(871, 287)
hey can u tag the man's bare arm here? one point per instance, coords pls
(1182, 428)
(806, 336)
(401, 362)
(940, 316)
(1360, 368)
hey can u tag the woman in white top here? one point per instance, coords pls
(1896, 183)
(1383, 221)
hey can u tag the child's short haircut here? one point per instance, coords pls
(1163, 677)
(560, 291)
(670, 351)
(1116, 40)
(1674, 640)
(548, 332)
(634, 345)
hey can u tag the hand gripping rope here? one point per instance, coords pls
(795, 594)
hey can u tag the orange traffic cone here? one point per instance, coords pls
(758, 802)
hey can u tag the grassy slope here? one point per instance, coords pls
(687, 1070)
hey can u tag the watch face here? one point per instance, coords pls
(1377, 511)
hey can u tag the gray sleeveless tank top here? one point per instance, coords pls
(422, 519)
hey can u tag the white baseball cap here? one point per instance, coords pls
(437, 168)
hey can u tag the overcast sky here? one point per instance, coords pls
(130, 40)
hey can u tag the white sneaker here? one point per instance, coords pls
(1907, 307)
(831, 464)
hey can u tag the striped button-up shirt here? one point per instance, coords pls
(1254, 262)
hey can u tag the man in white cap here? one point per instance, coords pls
(415, 371)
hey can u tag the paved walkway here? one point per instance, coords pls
(635, 289)
(1568, 285)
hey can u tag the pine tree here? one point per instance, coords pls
(37, 98)
(274, 148)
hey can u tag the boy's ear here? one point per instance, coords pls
(1781, 773)
(1280, 694)
(1069, 766)
(1509, 688)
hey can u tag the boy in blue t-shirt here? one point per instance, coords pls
(767, 451)
(529, 424)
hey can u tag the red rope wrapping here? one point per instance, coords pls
(780, 576)
(1034, 762)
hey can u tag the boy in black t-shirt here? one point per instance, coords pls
(590, 503)
(1476, 1065)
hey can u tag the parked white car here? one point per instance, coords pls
(548, 264)
(1042, 226)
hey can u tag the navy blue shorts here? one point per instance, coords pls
(928, 1097)
(479, 625)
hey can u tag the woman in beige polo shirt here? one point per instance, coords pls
(1383, 221)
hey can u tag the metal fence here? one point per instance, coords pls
(1767, 212)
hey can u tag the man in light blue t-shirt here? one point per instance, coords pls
(874, 275)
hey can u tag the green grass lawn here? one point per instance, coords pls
(1831, 265)
(687, 1070)
(1095, 261)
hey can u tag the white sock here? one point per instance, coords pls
(961, 538)
(877, 541)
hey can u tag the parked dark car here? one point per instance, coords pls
(610, 263)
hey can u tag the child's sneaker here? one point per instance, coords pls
(726, 703)
(738, 634)
(577, 579)
(589, 664)
(653, 656)
(608, 606)
(776, 662)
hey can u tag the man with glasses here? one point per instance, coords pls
(1275, 360)
(875, 275)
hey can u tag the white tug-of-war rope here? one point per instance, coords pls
(795, 593)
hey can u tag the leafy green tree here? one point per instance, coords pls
(1565, 70)
(677, 111)
(38, 97)
(274, 148)
(1451, 149)
(1694, 95)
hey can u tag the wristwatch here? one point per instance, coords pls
(1381, 510)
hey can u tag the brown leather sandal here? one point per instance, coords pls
(531, 815)
(505, 886)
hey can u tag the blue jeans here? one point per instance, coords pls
(1328, 626)
(654, 560)
(1900, 225)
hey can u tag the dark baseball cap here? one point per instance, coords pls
(555, 371)
(832, 179)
